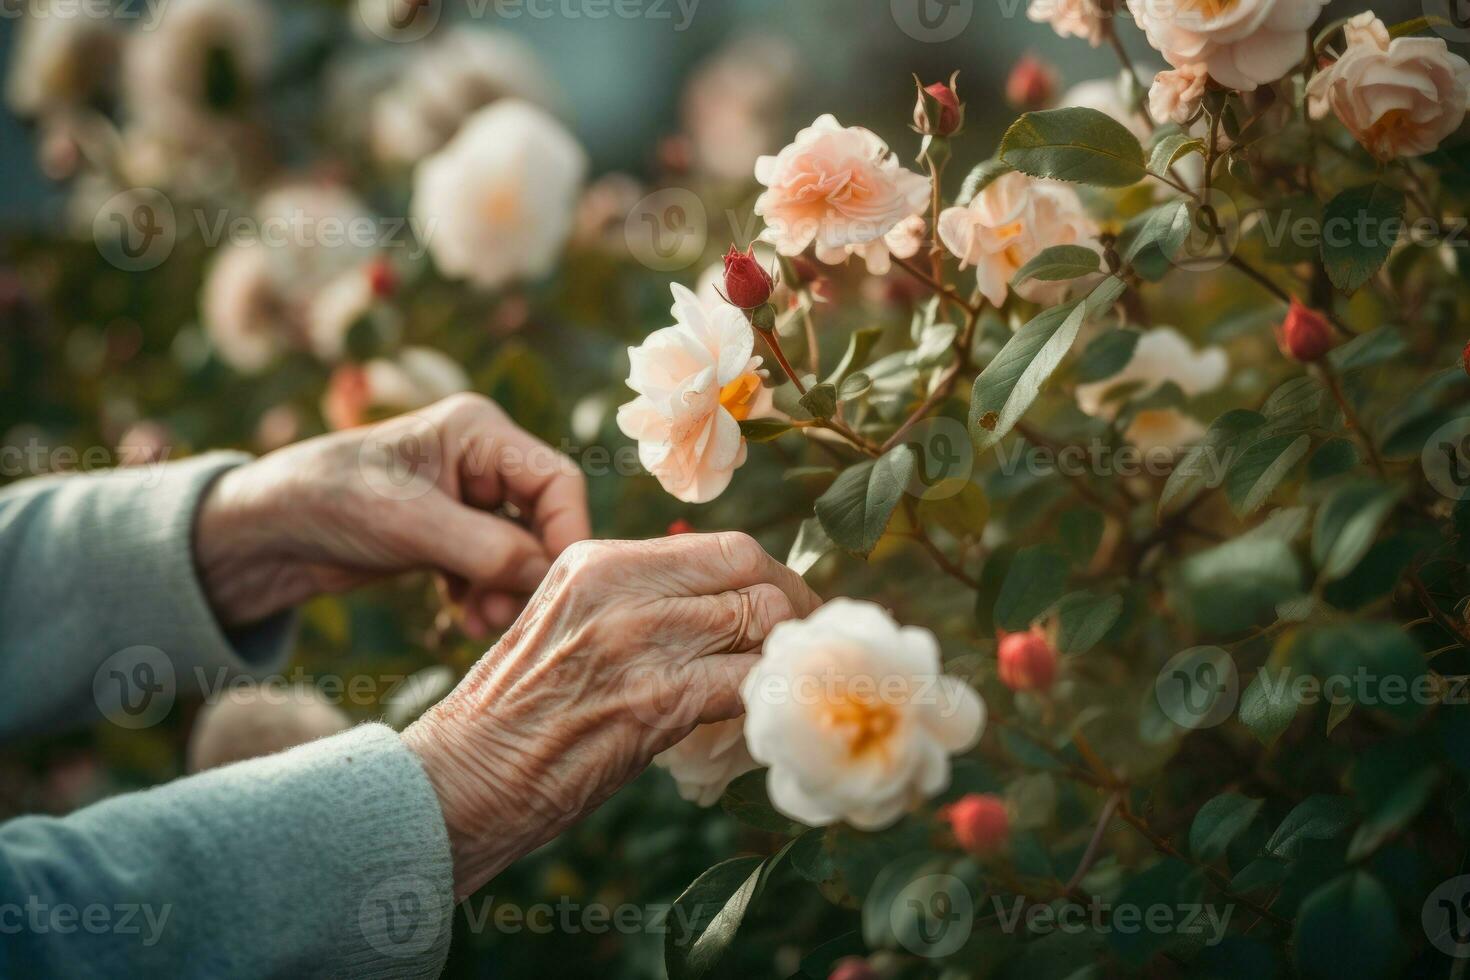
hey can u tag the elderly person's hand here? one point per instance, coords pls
(418, 491)
(623, 650)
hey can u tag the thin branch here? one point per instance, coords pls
(1351, 414)
(936, 285)
(1094, 846)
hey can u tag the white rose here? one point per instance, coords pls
(413, 378)
(1240, 43)
(836, 186)
(62, 59)
(1070, 18)
(1175, 95)
(448, 79)
(246, 316)
(1007, 225)
(854, 717)
(249, 721)
(1162, 356)
(497, 202)
(708, 758)
(203, 60)
(696, 381)
(313, 233)
(1398, 98)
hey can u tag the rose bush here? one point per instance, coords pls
(1128, 443)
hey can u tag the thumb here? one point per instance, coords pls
(481, 548)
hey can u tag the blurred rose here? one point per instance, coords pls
(279, 426)
(313, 231)
(696, 381)
(603, 209)
(705, 762)
(448, 79)
(1240, 43)
(838, 186)
(62, 59)
(1162, 356)
(735, 103)
(854, 717)
(245, 313)
(496, 204)
(249, 721)
(413, 378)
(1007, 225)
(1071, 18)
(1398, 98)
(143, 443)
(341, 305)
(201, 62)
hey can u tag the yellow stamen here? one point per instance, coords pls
(738, 397)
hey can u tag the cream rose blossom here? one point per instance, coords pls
(1175, 95)
(696, 381)
(497, 202)
(854, 717)
(1070, 18)
(708, 758)
(838, 186)
(201, 62)
(1162, 356)
(1240, 43)
(1400, 97)
(1009, 223)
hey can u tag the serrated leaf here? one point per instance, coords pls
(979, 178)
(1075, 144)
(1058, 263)
(1359, 229)
(856, 509)
(1318, 817)
(1269, 704)
(1169, 149)
(712, 908)
(1208, 461)
(1013, 378)
(1033, 584)
(1259, 469)
(1166, 228)
(1219, 822)
(1084, 619)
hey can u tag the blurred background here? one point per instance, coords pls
(110, 358)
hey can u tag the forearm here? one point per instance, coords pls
(93, 566)
(330, 859)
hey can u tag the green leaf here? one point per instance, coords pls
(1347, 524)
(1085, 619)
(1013, 378)
(1166, 228)
(855, 385)
(1392, 814)
(764, 430)
(820, 400)
(1368, 349)
(1207, 462)
(1034, 583)
(713, 906)
(856, 509)
(1219, 822)
(981, 177)
(1076, 144)
(1347, 928)
(1259, 469)
(1169, 149)
(1359, 229)
(1269, 704)
(1375, 664)
(746, 800)
(1107, 355)
(859, 349)
(1233, 585)
(1058, 263)
(1318, 817)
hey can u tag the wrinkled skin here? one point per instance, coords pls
(415, 492)
(621, 652)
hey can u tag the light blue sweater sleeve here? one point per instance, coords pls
(328, 860)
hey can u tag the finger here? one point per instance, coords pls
(731, 622)
(499, 458)
(481, 548)
(707, 564)
(719, 678)
(500, 610)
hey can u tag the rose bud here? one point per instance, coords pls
(680, 526)
(382, 278)
(979, 822)
(1304, 335)
(852, 968)
(1027, 661)
(1032, 84)
(747, 285)
(938, 111)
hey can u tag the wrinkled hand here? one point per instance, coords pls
(417, 491)
(621, 652)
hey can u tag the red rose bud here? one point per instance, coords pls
(1027, 661)
(747, 285)
(979, 822)
(382, 278)
(680, 526)
(938, 111)
(852, 968)
(1305, 335)
(1032, 84)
